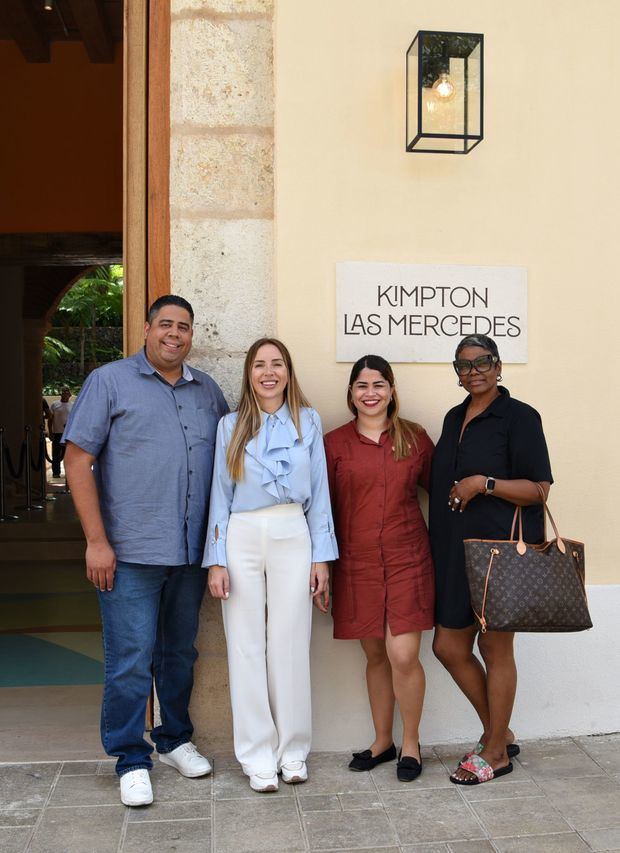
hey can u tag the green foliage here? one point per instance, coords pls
(95, 300)
(52, 388)
(54, 350)
(87, 329)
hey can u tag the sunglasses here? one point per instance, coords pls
(482, 364)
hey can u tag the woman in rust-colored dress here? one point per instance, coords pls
(383, 580)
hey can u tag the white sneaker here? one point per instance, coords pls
(294, 772)
(187, 760)
(264, 782)
(136, 788)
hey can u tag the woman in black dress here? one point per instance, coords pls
(490, 455)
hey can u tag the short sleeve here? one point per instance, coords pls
(88, 425)
(527, 447)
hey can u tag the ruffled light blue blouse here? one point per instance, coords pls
(280, 467)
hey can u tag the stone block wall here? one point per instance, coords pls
(221, 231)
(221, 176)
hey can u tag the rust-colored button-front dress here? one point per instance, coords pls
(385, 567)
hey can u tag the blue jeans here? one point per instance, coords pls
(150, 621)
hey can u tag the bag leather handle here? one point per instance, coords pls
(558, 539)
(521, 549)
(521, 546)
(543, 501)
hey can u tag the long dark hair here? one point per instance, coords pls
(402, 432)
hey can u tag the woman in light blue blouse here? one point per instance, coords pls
(269, 539)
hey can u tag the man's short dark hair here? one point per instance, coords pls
(169, 299)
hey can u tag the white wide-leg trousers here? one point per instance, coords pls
(267, 621)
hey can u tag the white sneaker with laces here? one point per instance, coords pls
(264, 782)
(294, 772)
(187, 760)
(136, 788)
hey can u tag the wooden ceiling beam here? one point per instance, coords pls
(27, 31)
(70, 249)
(91, 21)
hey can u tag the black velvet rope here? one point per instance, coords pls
(15, 473)
(36, 466)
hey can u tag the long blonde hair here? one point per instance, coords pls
(402, 432)
(249, 412)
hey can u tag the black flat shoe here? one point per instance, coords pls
(408, 768)
(366, 760)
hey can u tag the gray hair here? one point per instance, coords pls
(478, 341)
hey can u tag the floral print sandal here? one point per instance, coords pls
(513, 749)
(482, 770)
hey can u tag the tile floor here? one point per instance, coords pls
(563, 796)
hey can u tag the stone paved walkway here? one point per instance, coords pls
(564, 796)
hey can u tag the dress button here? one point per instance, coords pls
(180, 407)
(191, 472)
(189, 448)
(184, 427)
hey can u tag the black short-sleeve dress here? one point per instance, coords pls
(505, 441)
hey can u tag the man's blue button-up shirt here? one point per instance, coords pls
(154, 446)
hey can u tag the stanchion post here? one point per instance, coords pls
(29, 506)
(4, 516)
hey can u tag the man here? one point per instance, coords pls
(58, 415)
(139, 456)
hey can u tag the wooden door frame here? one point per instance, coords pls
(146, 162)
(146, 168)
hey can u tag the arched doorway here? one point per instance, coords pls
(38, 262)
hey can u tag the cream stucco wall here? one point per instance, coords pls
(542, 191)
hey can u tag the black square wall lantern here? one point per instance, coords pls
(444, 92)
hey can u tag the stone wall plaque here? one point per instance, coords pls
(419, 312)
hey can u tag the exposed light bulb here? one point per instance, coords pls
(443, 87)
(48, 5)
